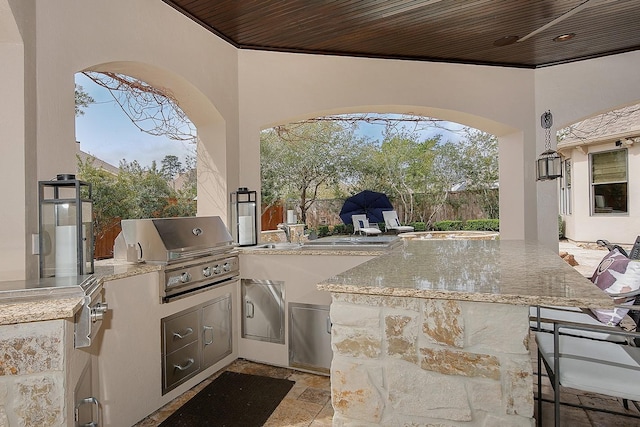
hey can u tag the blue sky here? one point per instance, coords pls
(105, 132)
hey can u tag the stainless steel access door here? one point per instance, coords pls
(263, 310)
(310, 337)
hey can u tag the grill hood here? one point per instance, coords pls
(164, 240)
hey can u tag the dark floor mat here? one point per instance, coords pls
(232, 400)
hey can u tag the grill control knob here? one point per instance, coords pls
(226, 266)
(206, 272)
(185, 277)
(216, 269)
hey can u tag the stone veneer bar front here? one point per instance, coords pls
(437, 332)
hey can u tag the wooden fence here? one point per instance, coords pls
(460, 205)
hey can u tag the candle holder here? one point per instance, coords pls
(244, 218)
(66, 227)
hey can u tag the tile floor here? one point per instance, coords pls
(308, 403)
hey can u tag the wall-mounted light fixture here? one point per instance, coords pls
(548, 164)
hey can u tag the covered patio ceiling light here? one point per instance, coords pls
(548, 164)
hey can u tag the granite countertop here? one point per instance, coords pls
(24, 301)
(310, 251)
(510, 272)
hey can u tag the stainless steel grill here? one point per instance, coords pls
(196, 253)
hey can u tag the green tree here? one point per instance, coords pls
(472, 163)
(403, 163)
(111, 200)
(83, 100)
(171, 167)
(301, 160)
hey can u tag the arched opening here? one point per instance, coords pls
(160, 175)
(408, 157)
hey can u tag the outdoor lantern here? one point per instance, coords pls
(548, 164)
(244, 218)
(66, 227)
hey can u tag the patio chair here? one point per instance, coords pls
(391, 222)
(542, 318)
(585, 364)
(361, 225)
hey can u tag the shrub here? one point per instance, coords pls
(448, 225)
(419, 226)
(340, 229)
(561, 227)
(482, 225)
(323, 230)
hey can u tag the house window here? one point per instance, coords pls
(609, 182)
(565, 188)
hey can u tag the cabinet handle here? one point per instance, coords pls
(184, 334)
(250, 310)
(185, 367)
(88, 400)
(329, 325)
(204, 333)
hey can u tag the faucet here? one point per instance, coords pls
(287, 231)
(291, 233)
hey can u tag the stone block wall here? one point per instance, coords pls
(32, 374)
(421, 362)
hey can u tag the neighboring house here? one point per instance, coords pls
(600, 188)
(97, 163)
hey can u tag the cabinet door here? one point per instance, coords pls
(263, 310)
(310, 337)
(216, 330)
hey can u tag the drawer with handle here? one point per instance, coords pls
(181, 364)
(180, 331)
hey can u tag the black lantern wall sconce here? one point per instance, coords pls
(548, 165)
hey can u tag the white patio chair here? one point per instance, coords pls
(361, 225)
(585, 364)
(542, 318)
(391, 222)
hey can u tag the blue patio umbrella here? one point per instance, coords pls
(370, 203)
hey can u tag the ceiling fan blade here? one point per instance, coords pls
(584, 5)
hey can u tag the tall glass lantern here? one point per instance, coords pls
(66, 227)
(244, 218)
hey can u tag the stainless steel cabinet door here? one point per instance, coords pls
(216, 330)
(310, 337)
(263, 310)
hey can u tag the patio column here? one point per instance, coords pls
(17, 128)
(518, 203)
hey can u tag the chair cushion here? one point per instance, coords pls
(616, 274)
(574, 315)
(597, 366)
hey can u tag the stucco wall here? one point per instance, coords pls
(145, 39)
(279, 87)
(230, 95)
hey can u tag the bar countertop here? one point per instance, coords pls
(501, 271)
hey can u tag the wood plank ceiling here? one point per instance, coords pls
(512, 33)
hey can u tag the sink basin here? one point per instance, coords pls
(279, 245)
